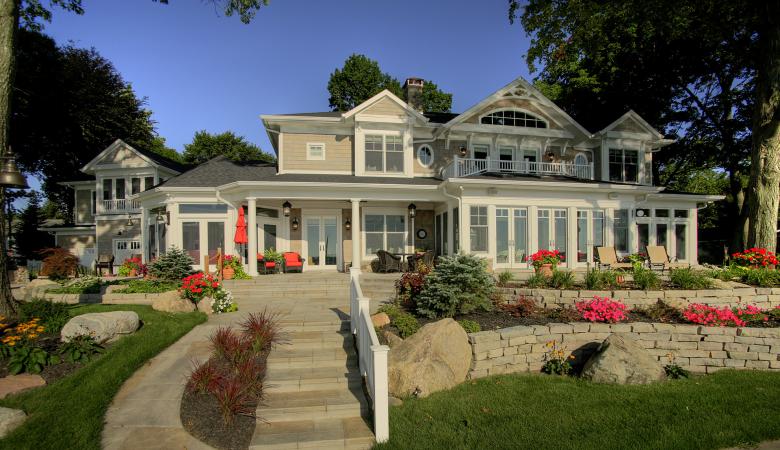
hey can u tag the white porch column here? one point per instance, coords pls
(144, 236)
(449, 230)
(252, 236)
(571, 241)
(357, 248)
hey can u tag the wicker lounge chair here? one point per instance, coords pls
(389, 262)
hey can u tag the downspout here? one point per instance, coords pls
(460, 210)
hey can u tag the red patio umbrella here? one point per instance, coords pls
(241, 237)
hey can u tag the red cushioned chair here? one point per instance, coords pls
(292, 262)
(266, 266)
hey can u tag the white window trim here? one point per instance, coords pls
(383, 212)
(488, 215)
(473, 146)
(530, 113)
(419, 159)
(384, 171)
(309, 156)
(639, 164)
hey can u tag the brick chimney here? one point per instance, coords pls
(413, 92)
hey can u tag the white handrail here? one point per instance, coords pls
(464, 167)
(120, 205)
(372, 356)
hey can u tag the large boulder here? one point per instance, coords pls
(37, 287)
(101, 326)
(435, 358)
(622, 361)
(10, 419)
(172, 302)
(380, 320)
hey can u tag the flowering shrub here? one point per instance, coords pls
(723, 317)
(755, 257)
(223, 302)
(197, 286)
(131, 264)
(542, 257)
(411, 284)
(19, 345)
(602, 309)
(555, 360)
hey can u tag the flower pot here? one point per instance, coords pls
(228, 273)
(545, 270)
(133, 273)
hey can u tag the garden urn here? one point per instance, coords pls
(228, 273)
(132, 273)
(545, 270)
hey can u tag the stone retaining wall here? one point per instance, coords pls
(761, 297)
(696, 348)
(111, 299)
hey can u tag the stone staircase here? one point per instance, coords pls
(379, 287)
(313, 391)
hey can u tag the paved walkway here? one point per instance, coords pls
(313, 399)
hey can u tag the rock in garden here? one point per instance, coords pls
(101, 326)
(13, 384)
(392, 339)
(435, 358)
(380, 320)
(622, 361)
(172, 302)
(10, 419)
(38, 287)
(204, 305)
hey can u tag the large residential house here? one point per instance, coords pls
(509, 176)
(106, 215)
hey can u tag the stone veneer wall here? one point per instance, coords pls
(696, 348)
(761, 297)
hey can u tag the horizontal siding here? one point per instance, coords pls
(442, 157)
(107, 231)
(385, 107)
(338, 152)
(84, 206)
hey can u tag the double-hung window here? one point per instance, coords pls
(385, 232)
(479, 229)
(384, 153)
(315, 151)
(623, 165)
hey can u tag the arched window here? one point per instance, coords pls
(512, 118)
(581, 159)
(425, 155)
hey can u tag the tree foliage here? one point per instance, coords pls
(361, 78)
(205, 146)
(245, 9)
(27, 239)
(687, 68)
(70, 104)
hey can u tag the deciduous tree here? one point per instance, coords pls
(205, 146)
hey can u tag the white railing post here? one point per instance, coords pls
(381, 403)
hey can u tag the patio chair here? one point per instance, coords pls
(659, 259)
(609, 260)
(292, 262)
(428, 258)
(104, 262)
(389, 262)
(266, 266)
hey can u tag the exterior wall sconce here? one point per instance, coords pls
(412, 210)
(295, 224)
(348, 225)
(550, 156)
(129, 223)
(462, 150)
(160, 217)
(286, 207)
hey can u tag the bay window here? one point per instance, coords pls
(623, 165)
(384, 153)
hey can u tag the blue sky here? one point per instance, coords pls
(201, 70)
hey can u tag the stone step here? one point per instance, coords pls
(316, 354)
(312, 405)
(348, 362)
(347, 433)
(275, 374)
(348, 381)
(344, 326)
(303, 337)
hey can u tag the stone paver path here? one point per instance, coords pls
(314, 395)
(13, 384)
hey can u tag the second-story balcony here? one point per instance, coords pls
(122, 206)
(464, 167)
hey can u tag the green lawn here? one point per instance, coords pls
(726, 409)
(69, 413)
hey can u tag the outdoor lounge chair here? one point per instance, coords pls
(292, 262)
(608, 259)
(389, 262)
(266, 266)
(104, 262)
(659, 259)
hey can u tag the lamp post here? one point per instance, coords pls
(412, 213)
(10, 178)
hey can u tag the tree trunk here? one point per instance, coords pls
(8, 24)
(738, 211)
(764, 188)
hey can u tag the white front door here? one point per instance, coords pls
(321, 240)
(512, 237)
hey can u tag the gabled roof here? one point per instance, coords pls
(632, 115)
(152, 158)
(531, 91)
(385, 94)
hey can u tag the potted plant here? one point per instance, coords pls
(271, 254)
(545, 261)
(132, 267)
(229, 266)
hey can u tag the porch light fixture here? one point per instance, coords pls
(159, 217)
(129, 222)
(286, 206)
(412, 210)
(295, 224)
(10, 177)
(347, 225)
(462, 150)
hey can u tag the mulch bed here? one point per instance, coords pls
(201, 416)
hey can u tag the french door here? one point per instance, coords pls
(321, 241)
(552, 231)
(512, 237)
(590, 234)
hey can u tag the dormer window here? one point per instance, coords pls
(513, 118)
(623, 165)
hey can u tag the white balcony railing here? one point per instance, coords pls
(464, 167)
(372, 356)
(120, 206)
